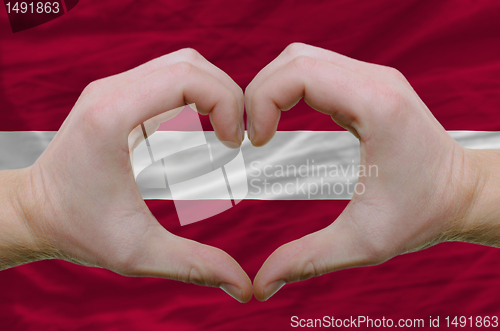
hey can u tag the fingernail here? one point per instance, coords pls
(251, 130)
(232, 290)
(273, 287)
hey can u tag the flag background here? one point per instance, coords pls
(448, 50)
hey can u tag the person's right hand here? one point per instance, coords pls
(424, 192)
(80, 201)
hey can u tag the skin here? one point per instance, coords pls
(80, 202)
(428, 190)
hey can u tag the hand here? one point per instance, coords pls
(426, 183)
(80, 201)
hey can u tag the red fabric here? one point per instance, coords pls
(448, 50)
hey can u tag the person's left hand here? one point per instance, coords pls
(426, 185)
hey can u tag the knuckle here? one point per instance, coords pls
(193, 270)
(391, 100)
(194, 277)
(190, 54)
(181, 69)
(391, 96)
(309, 265)
(93, 88)
(304, 63)
(98, 112)
(395, 74)
(191, 274)
(295, 49)
(311, 269)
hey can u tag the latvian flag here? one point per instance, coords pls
(252, 200)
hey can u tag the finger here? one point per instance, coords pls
(165, 255)
(170, 88)
(295, 50)
(326, 87)
(333, 248)
(184, 55)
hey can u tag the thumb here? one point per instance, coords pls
(332, 248)
(165, 255)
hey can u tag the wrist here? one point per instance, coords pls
(19, 244)
(480, 221)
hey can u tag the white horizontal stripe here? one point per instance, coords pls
(294, 161)
(20, 149)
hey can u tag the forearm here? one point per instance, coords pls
(481, 224)
(17, 241)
